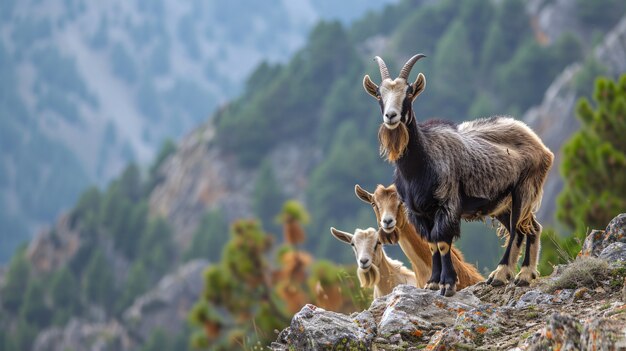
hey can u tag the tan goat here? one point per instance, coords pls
(395, 227)
(375, 268)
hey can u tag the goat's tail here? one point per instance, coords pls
(466, 272)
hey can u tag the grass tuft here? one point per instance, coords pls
(587, 272)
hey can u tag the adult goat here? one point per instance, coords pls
(444, 172)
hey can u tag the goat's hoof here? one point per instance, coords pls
(525, 276)
(448, 290)
(432, 286)
(521, 282)
(500, 276)
(497, 282)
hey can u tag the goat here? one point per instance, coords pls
(375, 268)
(392, 219)
(445, 172)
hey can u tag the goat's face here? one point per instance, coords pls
(396, 96)
(365, 244)
(387, 206)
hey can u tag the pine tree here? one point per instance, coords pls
(65, 293)
(594, 161)
(209, 237)
(97, 283)
(16, 282)
(240, 304)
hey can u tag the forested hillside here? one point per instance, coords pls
(89, 86)
(302, 129)
(482, 59)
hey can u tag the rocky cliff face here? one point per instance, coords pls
(200, 177)
(580, 307)
(555, 121)
(163, 308)
(166, 306)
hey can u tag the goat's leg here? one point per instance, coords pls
(423, 226)
(531, 256)
(504, 271)
(446, 227)
(433, 282)
(447, 281)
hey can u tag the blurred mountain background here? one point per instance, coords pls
(89, 87)
(264, 103)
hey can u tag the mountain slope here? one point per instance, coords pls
(303, 129)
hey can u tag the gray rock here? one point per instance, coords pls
(616, 230)
(166, 306)
(608, 244)
(471, 327)
(406, 316)
(615, 253)
(314, 328)
(561, 331)
(593, 244)
(537, 297)
(409, 311)
(601, 334)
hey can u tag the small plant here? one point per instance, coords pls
(588, 272)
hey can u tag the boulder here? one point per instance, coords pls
(314, 328)
(598, 242)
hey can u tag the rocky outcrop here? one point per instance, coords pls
(53, 248)
(543, 316)
(166, 306)
(200, 177)
(552, 19)
(554, 120)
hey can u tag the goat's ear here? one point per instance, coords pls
(370, 87)
(363, 194)
(418, 86)
(340, 235)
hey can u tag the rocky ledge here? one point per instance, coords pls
(579, 307)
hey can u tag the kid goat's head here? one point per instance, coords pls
(395, 97)
(368, 251)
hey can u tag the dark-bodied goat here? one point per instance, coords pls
(445, 172)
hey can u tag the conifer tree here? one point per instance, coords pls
(594, 161)
(246, 296)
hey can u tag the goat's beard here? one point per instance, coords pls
(393, 142)
(391, 237)
(368, 277)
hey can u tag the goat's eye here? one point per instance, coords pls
(352, 244)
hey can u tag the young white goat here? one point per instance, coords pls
(375, 268)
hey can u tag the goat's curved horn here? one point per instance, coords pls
(406, 70)
(384, 72)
